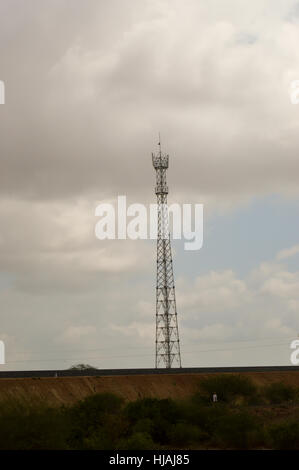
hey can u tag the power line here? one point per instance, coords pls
(147, 347)
(144, 355)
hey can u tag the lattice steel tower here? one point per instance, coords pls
(167, 333)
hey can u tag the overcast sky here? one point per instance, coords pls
(89, 84)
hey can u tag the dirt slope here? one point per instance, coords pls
(66, 390)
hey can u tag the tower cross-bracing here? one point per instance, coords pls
(167, 335)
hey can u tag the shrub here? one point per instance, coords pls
(185, 433)
(200, 399)
(94, 418)
(206, 417)
(152, 408)
(279, 393)
(161, 413)
(238, 430)
(285, 435)
(26, 427)
(106, 436)
(137, 441)
(144, 425)
(228, 387)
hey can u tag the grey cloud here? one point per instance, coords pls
(88, 87)
(86, 96)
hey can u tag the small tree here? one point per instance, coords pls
(82, 367)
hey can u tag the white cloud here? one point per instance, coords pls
(213, 291)
(73, 333)
(220, 306)
(282, 284)
(288, 252)
(137, 330)
(50, 245)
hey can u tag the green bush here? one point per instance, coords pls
(103, 421)
(201, 398)
(223, 426)
(206, 417)
(144, 425)
(26, 427)
(152, 408)
(96, 421)
(137, 441)
(228, 387)
(238, 431)
(182, 434)
(285, 435)
(279, 393)
(161, 413)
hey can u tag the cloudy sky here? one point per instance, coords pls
(88, 85)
